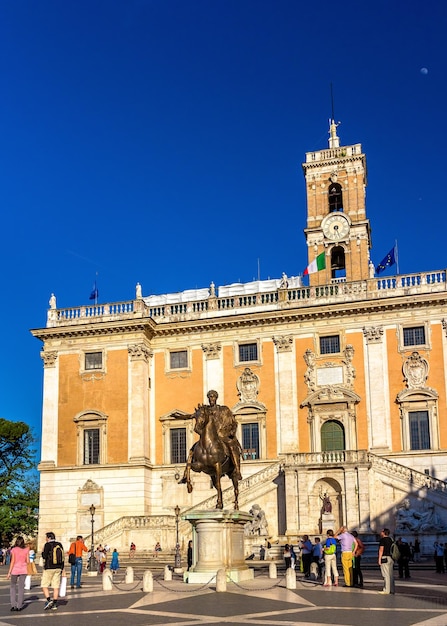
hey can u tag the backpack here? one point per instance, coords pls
(394, 551)
(331, 548)
(57, 556)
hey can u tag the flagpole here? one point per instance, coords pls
(396, 254)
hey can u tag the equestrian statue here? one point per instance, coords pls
(217, 452)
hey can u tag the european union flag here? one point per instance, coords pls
(388, 261)
(94, 294)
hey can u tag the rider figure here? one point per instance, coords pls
(226, 426)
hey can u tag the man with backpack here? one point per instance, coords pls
(53, 565)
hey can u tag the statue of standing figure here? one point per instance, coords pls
(327, 504)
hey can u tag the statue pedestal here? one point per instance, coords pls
(327, 522)
(218, 544)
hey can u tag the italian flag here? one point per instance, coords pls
(317, 264)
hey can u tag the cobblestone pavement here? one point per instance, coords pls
(419, 601)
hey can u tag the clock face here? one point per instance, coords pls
(336, 227)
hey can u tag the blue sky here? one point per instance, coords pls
(161, 141)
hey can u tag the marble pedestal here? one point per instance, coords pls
(218, 540)
(327, 522)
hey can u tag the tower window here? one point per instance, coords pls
(335, 197)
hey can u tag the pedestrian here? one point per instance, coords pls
(102, 560)
(132, 550)
(348, 545)
(306, 555)
(330, 560)
(262, 553)
(75, 558)
(189, 554)
(439, 557)
(53, 565)
(317, 556)
(287, 556)
(386, 562)
(157, 549)
(404, 558)
(417, 550)
(114, 564)
(292, 557)
(18, 569)
(357, 575)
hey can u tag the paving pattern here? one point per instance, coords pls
(421, 601)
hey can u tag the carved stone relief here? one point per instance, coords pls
(138, 352)
(373, 334)
(248, 386)
(415, 370)
(49, 358)
(283, 343)
(310, 375)
(211, 350)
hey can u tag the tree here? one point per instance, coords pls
(19, 492)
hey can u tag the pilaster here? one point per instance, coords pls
(139, 432)
(50, 409)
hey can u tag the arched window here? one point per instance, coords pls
(338, 262)
(335, 197)
(332, 436)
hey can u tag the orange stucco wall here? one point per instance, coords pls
(108, 395)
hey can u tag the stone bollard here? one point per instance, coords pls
(290, 578)
(221, 580)
(273, 571)
(107, 580)
(148, 582)
(168, 573)
(129, 574)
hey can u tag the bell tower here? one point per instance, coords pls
(336, 216)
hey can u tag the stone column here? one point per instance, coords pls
(286, 397)
(213, 370)
(50, 409)
(291, 502)
(139, 355)
(376, 368)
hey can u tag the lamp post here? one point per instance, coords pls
(92, 564)
(178, 556)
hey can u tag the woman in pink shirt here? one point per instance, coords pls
(17, 572)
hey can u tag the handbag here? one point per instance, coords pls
(72, 558)
(63, 587)
(30, 569)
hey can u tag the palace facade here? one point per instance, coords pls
(339, 390)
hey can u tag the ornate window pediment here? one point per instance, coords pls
(331, 395)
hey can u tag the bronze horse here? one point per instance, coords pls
(210, 454)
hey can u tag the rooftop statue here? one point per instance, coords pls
(217, 452)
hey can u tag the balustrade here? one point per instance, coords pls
(392, 286)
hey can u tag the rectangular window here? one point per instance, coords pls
(250, 441)
(91, 446)
(178, 445)
(419, 430)
(330, 344)
(93, 360)
(178, 359)
(248, 352)
(414, 336)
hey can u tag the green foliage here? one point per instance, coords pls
(19, 489)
